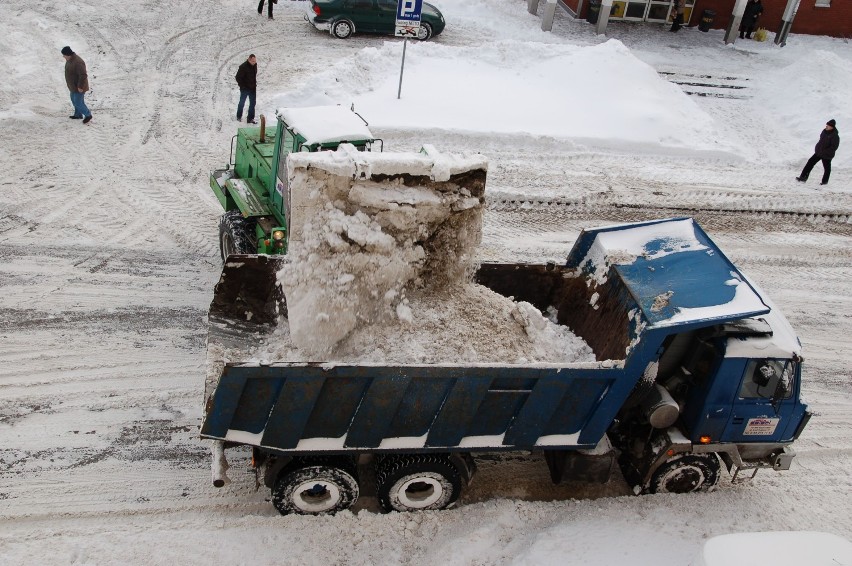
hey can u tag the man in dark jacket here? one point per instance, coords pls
(247, 81)
(829, 141)
(752, 11)
(77, 81)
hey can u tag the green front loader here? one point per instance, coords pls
(253, 188)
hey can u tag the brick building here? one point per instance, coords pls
(815, 17)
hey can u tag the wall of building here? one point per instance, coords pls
(835, 20)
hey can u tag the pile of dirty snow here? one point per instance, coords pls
(380, 263)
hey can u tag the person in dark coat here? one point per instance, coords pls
(247, 80)
(77, 80)
(677, 14)
(829, 141)
(752, 11)
(268, 9)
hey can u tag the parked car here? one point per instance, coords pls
(342, 18)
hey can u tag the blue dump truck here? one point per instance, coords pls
(695, 368)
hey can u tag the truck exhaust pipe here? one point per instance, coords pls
(219, 465)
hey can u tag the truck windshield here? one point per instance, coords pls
(768, 378)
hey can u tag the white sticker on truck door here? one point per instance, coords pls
(760, 427)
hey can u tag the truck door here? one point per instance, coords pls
(765, 402)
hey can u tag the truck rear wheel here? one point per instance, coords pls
(686, 473)
(417, 482)
(236, 234)
(315, 490)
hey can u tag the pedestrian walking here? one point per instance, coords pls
(268, 8)
(77, 81)
(829, 141)
(752, 11)
(247, 80)
(678, 8)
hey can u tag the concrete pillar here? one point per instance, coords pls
(547, 15)
(736, 19)
(786, 22)
(603, 16)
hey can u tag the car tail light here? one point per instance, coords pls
(316, 10)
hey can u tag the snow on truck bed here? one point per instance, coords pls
(380, 263)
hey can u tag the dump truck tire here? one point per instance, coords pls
(686, 473)
(417, 483)
(315, 490)
(236, 234)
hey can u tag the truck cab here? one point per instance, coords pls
(253, 188)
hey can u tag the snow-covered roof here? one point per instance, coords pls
(322, 124)
(674, 272)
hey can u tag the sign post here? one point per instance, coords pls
(407, 24)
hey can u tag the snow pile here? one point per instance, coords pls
(542, 89)
(380, 263)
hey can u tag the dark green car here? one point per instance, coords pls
(342, 18)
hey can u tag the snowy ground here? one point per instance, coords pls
(109, 253)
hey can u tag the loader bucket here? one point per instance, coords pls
(247, 299)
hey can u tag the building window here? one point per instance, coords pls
(823, 4)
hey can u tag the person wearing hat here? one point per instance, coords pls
(829, 141)
(78, 84)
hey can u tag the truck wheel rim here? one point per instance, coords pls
(316, 496)
(419, 492)
(683, 480)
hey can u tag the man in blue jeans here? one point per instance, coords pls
(77, 81)
(247, 80)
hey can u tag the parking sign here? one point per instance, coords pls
(408, 17)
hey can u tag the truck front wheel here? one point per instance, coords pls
(417, 482)
(315, 490)
(686, 473)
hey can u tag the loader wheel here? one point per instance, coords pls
(686, 473)
(424, 32)
(342, 29)
(315, 490)
(236, 234)
(417, 482)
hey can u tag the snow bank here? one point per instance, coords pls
(563, 91)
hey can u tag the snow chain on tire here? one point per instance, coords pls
(686, 473)
(417, 482)
(315, 488)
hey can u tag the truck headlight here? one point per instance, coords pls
(278, 235)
